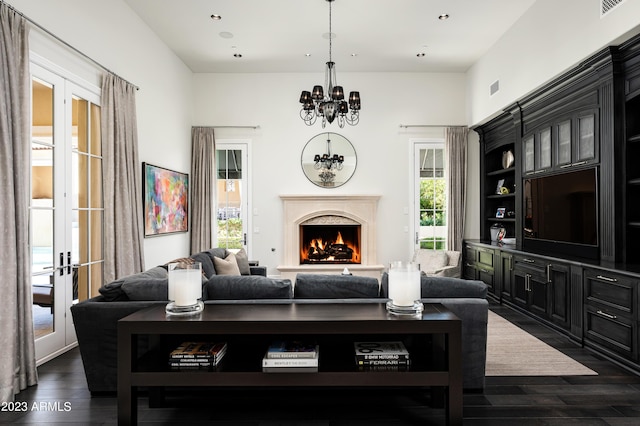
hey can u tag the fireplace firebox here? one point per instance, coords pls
(330, 244)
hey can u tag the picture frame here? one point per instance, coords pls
(166, 200)
(499, 187)
(500, 212)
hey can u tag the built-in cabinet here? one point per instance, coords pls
(586, 119)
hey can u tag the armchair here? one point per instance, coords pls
(443, 263)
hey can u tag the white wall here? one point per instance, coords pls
(382, 148)
(113, 35)
(550, 38)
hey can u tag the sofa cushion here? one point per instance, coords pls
(113, 291)
(243, 287)
(321, 286)
(207, 263)
(219, 252)
(226, 266)
(243, 262)
(147, 289)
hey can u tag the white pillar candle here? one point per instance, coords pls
(185, 285)
(404, 283)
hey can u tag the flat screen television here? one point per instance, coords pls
(561, 213)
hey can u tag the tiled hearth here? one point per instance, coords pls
(302, 210)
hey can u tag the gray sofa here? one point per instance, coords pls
(95, 319)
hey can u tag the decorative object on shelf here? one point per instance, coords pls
(166, 196)
(328, 102)
(504, 190)
(500, 186)
(497, 232)
(500, 212)
(507, 159)
(404, 289)
(185, 289)
(325, 168)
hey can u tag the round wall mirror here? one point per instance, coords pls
(328, 160)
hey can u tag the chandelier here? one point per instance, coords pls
(328, 164)
(328, 102)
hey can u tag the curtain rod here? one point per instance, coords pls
(84, 55)
(230, 127)
(432, 125)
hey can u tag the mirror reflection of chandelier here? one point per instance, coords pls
(328, 161)
(329, 102)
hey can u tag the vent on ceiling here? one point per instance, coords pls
(607, 6)
(495, 86)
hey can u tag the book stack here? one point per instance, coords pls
(382, 356)
(197, 355)
(291, 357)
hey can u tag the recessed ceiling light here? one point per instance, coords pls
(420, 55)
(307, 54)
(226, 34)
(216, 17)
(443, 17)
(353, 55)
(237, 55)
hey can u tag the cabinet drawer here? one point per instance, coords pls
(531, 265)
(610, 291)
(486, 258)
(609, 329)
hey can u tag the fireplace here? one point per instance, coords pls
(328, 233)
(330, 244)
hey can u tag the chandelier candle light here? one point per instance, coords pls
(185, 289)
(329, 102)
(404, 289)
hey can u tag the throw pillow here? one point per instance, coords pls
(226, 266)
(243, 262)
(431, 260)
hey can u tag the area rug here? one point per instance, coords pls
(512, 351)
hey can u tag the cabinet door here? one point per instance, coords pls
(586, 143)
(560, 287)
(544, 149)
(538, 295)
(529, 155)
(563, 143)
(506, 273)
(520, 286)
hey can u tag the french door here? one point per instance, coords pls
(232, 195)
(66, 206)
(430, 195)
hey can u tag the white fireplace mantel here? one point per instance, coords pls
(359, 208)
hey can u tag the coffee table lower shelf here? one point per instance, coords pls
(326, 322)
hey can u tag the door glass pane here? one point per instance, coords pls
(545, 149)
(432, 227)
(87, 198)
(564, 142)
(41, 222)
(229, 198)
(586, 144)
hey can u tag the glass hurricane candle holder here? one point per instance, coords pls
(404, 289)
(185, 289)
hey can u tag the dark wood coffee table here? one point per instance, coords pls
(434, 341)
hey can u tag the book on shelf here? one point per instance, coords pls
(194, 354)
(292, 349)
(381, 353)
(388, 368)
(289, 362)
(290, 369)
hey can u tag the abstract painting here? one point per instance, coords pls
(166, 200)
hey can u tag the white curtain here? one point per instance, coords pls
(203, 148)
(17, 346)
(456, 150)
(122, 180)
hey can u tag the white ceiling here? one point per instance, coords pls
(275, 36)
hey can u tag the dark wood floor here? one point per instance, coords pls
(610, 398)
